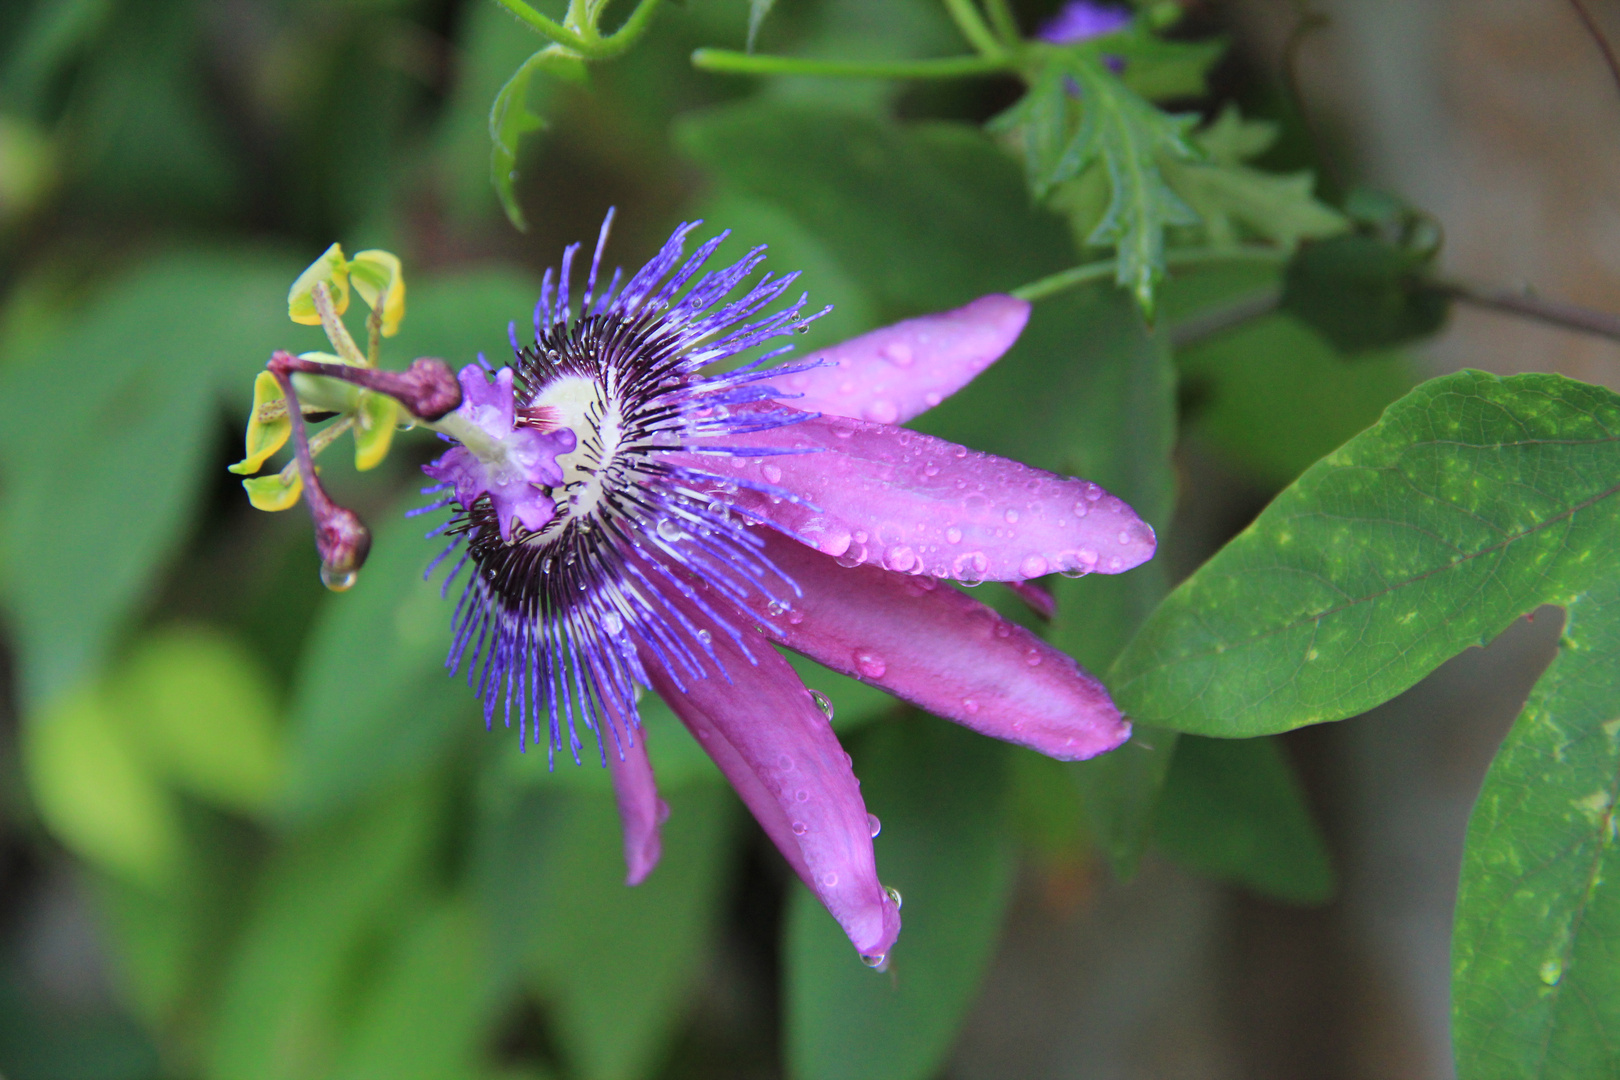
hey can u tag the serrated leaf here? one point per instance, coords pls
(942, 795)
(1159, 69)
(1472, 502)
(1129, 136)
(1039, 122)
(1233, 201)
(1535, 992)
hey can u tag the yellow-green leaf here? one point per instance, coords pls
(202, 710)
(268, 425)
(96, 793)
(278, 491)
(333, 269)
(377, 277)
(374, 424)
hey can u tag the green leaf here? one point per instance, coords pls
(1273, 398)
(431, 1006)
(114, 420)
(1363, 292)
(616, 962)
(328, 897)
(202, 710)
(510, 118)
(895, 206)
(1473, 501)
(1232, 809)
(1535, 989)
(1130, 137)
(372, 699)
(941, 793)
(97, 794)
(1233, 201)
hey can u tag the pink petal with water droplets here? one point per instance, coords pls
(916, 504)
(767, 736)
(943, 651)
(640, 809)
(893, 374)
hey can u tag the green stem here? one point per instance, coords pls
(944, 67)
(550, 28)
(971, 23)
(627, 33)
(1106, 268)
(1005, 23)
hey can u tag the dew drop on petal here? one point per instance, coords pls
(953, 535)
(802, 795)
(1033, 658)
(1003, 630)
(1124, 537)
(823, 702)
(874, 824)
(785, 763)
(898, 353)
(1093, 492)
(882, 412)
(894, 894)
(969, 705)
(773, 473)
(1011, 516)
(970, 567)
(612, 622)
(870, 664)
(795, 617)
(834, 543)
(853, 556)
(800, 828)
(668, 529)
(900, 559)
(704, 636)
(829, 879)
(1033, 566)
(661, 811)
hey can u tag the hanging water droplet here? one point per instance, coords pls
(1032, 567)
(875, 961)
(338, 580)
(822, 702)
(894, 894)
(874, 824)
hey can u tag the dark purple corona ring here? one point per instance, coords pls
(635, 520)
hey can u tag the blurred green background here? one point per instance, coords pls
(249, 829)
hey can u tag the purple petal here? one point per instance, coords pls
(893, 374)
(916, 504)
(641, 811)
(1081, 20)
(767, 736)
(944, 652)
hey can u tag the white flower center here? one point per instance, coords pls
(596, 419)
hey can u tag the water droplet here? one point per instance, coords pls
(338, 580)
(1002, 629)
(953, 535)
(853, 556)
(898, 353)
(970, 567)
(704, 636)
(800, 828)
(829, 879)
(668, 529)
(795, 617)
(661, 811)
(843, 429)
(822, 702)
(612, 622)
(802, 795)
(969, 705)
(875, 961)
(900, 559)
(834, 543)
(932, 398)
(874, 824)
(1093, 492)
(881, 412)
(1032, 567)
(1011, 516)
(1081, 509)
(776, 607)
(894, 894)
(1552, 971)
(802, 328)
(1033, 658)
(1124, 537)
(773, 473)
(870, 664)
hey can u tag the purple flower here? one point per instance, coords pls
(1081, 20)
(695, 520)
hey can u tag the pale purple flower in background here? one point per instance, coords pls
(1081, 20)
(694, 521)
